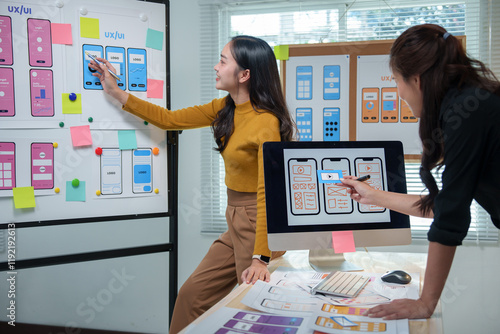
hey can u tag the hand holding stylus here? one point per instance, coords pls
(359, 190)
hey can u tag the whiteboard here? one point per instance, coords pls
(42, 47)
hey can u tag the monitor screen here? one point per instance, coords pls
(305, 202)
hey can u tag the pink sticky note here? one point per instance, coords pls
(80, 135)
(155, 89)
(343, 242)
(61, 33)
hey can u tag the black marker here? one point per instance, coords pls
(363, 178)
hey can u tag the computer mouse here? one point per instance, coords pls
(396, 276)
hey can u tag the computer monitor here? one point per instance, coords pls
(304, 204)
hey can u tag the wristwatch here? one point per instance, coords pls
(262, 258)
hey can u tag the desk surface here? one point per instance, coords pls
(375, 262)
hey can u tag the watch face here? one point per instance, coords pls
(265, 258)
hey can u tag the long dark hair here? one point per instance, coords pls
(266, 94)
(439, 59)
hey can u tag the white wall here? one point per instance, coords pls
(470, 299)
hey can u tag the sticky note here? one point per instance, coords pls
(154, 39)
(24, 197)
(343, 242)
(89, 28)
(80, 135)
(281, 52)
(127, 140)
(75, 194)
(71, 107)
(155, 89)
(61, 33)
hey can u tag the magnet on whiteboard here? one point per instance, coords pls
(83, 11)
(59, 4)
(55, 145)
(72, 96)
(98, 151)
(61, 124)
(98, 193)
(90, 119)
(57, 190)
(75, 183)
(143, 17)
(156, 150)
(157, 191)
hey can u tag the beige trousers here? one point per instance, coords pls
(221, 268)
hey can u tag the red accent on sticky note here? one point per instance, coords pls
(343, 242)
(80, 135)
(61, 33)
(155, 89)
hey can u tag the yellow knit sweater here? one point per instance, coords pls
(243, 153)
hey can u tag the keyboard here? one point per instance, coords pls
(342, 284)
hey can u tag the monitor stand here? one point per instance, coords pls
(326, 260)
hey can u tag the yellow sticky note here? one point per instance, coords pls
(89, 28)
(71, 107)
(24, 197)
(281, 52)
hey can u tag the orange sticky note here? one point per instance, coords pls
(80, 135)
(155, 89)
(61, 33)
(343, 242)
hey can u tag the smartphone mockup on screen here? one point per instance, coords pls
(7, 106)
(42, 165)
(142, 171)
(137, 70)
(6, 57)
(372, 167)
(370, 105)
(90, 81)
(406, 113)
(116, 56)
(331, 124)
(303, 118)
(7, 165)
(39, 43)
(304, 82)
(331, 82)
(42, 93)
(111, 171)
(390, 105)
(303, 185)
(337, 200)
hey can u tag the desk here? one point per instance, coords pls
(372, 262)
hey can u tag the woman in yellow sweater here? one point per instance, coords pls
(252, 113)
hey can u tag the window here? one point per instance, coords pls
(301, 22)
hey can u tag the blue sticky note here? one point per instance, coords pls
(75, 194)
(329, 176)
(154, 39)
(127, 140)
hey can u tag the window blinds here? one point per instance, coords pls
(301, 22)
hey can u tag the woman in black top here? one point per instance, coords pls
(458, 102)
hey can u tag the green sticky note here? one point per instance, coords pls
(154, 39)
(281, 52)
(71, 107)
(24, 197)
(75, 194)
(89, 28)
(127, 140)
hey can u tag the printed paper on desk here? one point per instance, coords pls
(326, 319)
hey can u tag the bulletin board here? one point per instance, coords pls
(345, 92)
(67, 150)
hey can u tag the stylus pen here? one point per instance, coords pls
(110, 72)
(363, 178)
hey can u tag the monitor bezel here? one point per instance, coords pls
(275, 187)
